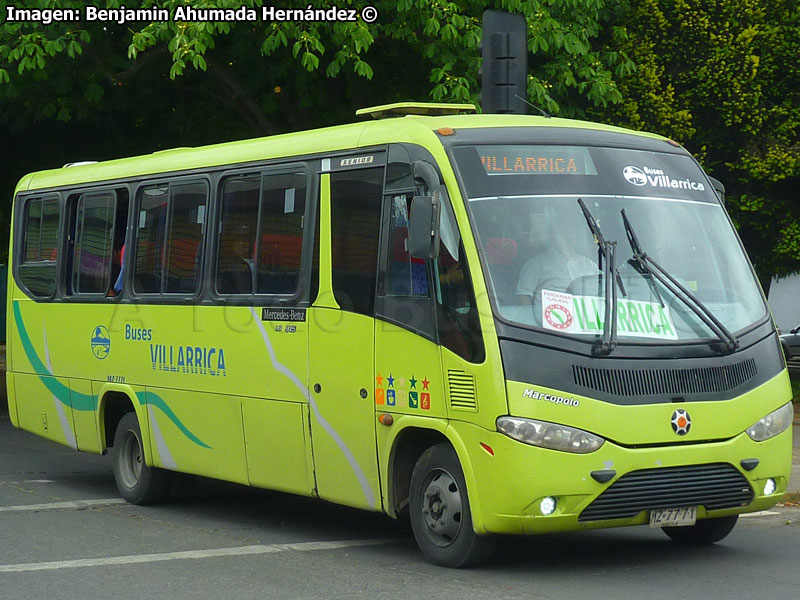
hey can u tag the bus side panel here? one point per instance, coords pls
(278, 445)
(12, 399)
(85, 420)
(43, 412)
(197, 432)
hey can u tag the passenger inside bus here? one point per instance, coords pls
(558, 265)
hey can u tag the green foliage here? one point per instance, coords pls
(717, 75)
(721, 77)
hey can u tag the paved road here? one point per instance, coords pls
(65, 534)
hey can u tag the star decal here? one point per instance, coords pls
(413, 383)
(425, 383)
(379, 379)
(390, 379)
(401, 382)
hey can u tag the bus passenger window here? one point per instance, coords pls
(183, 255)
(93, 250)
(171, 220)
(283, 205)
(151, 230)
(37, 268)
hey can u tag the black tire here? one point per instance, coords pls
(137, 483)
(703, 533)
(440, 514)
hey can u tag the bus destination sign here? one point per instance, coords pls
(536, 160)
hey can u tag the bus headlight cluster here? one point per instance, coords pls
(549, 435)
(774, 423)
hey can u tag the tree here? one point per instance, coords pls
(98, 89)
(720, 76)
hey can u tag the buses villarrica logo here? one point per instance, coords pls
(634, 175)
(558, 316)
(101, 342)
(681, 422)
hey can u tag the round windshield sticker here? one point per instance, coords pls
(558, 316)
(634, 175)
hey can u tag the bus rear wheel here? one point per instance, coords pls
(137, 483)
(703, 533)
(440, 513)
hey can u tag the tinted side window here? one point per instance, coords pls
(169, 244)
(283, 204)
(183, 253)
(237, 235)
(261, 234)
(94, 231)
(40, 222)
(355, 225)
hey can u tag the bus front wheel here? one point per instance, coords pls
(440, 513)
(137, 483)
(702, 533)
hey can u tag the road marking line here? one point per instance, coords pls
(191, 554)
(761, 513)
(63, 505)
(32, 481)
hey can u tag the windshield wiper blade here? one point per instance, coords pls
(611, 279)
(674, 286)
(636, 260)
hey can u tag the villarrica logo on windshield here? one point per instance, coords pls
(101, 342)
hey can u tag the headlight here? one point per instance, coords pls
(549, 435)
(774, 423)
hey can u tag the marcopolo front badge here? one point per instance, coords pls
(681, 422)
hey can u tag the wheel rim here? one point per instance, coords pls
(129, 460)
(442, 507)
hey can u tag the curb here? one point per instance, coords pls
(790, 499)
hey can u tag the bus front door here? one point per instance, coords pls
(342, 339)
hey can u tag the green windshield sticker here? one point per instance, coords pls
(568, 313)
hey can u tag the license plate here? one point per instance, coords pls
(673, 517)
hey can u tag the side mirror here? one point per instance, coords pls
(719, 188)
(423, 227)
(796, 329)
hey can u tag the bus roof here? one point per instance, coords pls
(412, 128)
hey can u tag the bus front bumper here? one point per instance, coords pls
(507, 487)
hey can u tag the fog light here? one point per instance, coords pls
(548, 505)
(769, 487)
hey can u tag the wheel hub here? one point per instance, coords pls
(441, 508)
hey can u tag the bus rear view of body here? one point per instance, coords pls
(497, 324)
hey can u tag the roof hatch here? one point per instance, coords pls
(428, 109)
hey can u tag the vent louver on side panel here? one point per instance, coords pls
(461, 390)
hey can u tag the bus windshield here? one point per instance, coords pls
(544, 265)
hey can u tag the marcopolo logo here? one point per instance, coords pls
(535, 395)
(681, 422)
(101, 342)
(634, 175)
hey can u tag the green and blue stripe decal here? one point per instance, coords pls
(86, 402)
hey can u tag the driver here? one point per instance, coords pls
(559, 264)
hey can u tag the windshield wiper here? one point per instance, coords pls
(674, 286)
(611, 277)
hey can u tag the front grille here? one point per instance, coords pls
(647, 382)
(713, 486)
